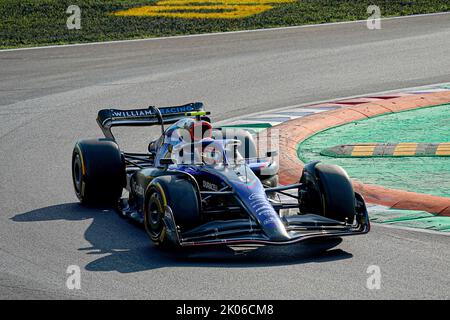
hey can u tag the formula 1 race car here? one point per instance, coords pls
(199, 186)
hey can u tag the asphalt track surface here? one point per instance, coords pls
(49, 99)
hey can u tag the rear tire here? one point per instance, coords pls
(98, 172)
(181, 196)
(327, 191)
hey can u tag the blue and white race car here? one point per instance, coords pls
(200, 186)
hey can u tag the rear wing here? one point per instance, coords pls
(108, 118)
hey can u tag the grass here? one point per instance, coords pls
(43, 22)
(424, 125)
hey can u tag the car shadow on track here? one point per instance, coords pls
(124, 247)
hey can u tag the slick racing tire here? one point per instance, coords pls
(98, 172)
(181, 196)
(327, 190)
(247, 149)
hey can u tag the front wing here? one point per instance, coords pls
(247, 232)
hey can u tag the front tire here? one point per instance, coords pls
(327, 190)
(181, 196)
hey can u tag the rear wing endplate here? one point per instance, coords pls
(108, 118)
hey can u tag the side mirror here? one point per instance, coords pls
(271, 154)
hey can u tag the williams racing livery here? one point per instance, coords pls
(201, 186)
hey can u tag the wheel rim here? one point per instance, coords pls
(155, 209)
(154, 215)
(77, 173)
(309, 198)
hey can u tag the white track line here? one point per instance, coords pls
(330, 101)
(222, 33)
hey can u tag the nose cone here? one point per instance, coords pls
(253, 196)
(259, 206)
(267, 217)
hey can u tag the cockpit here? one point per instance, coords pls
(208, 152)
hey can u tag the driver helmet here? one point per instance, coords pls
(200, 129)
(189, 130)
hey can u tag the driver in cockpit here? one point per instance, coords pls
(184, 131)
